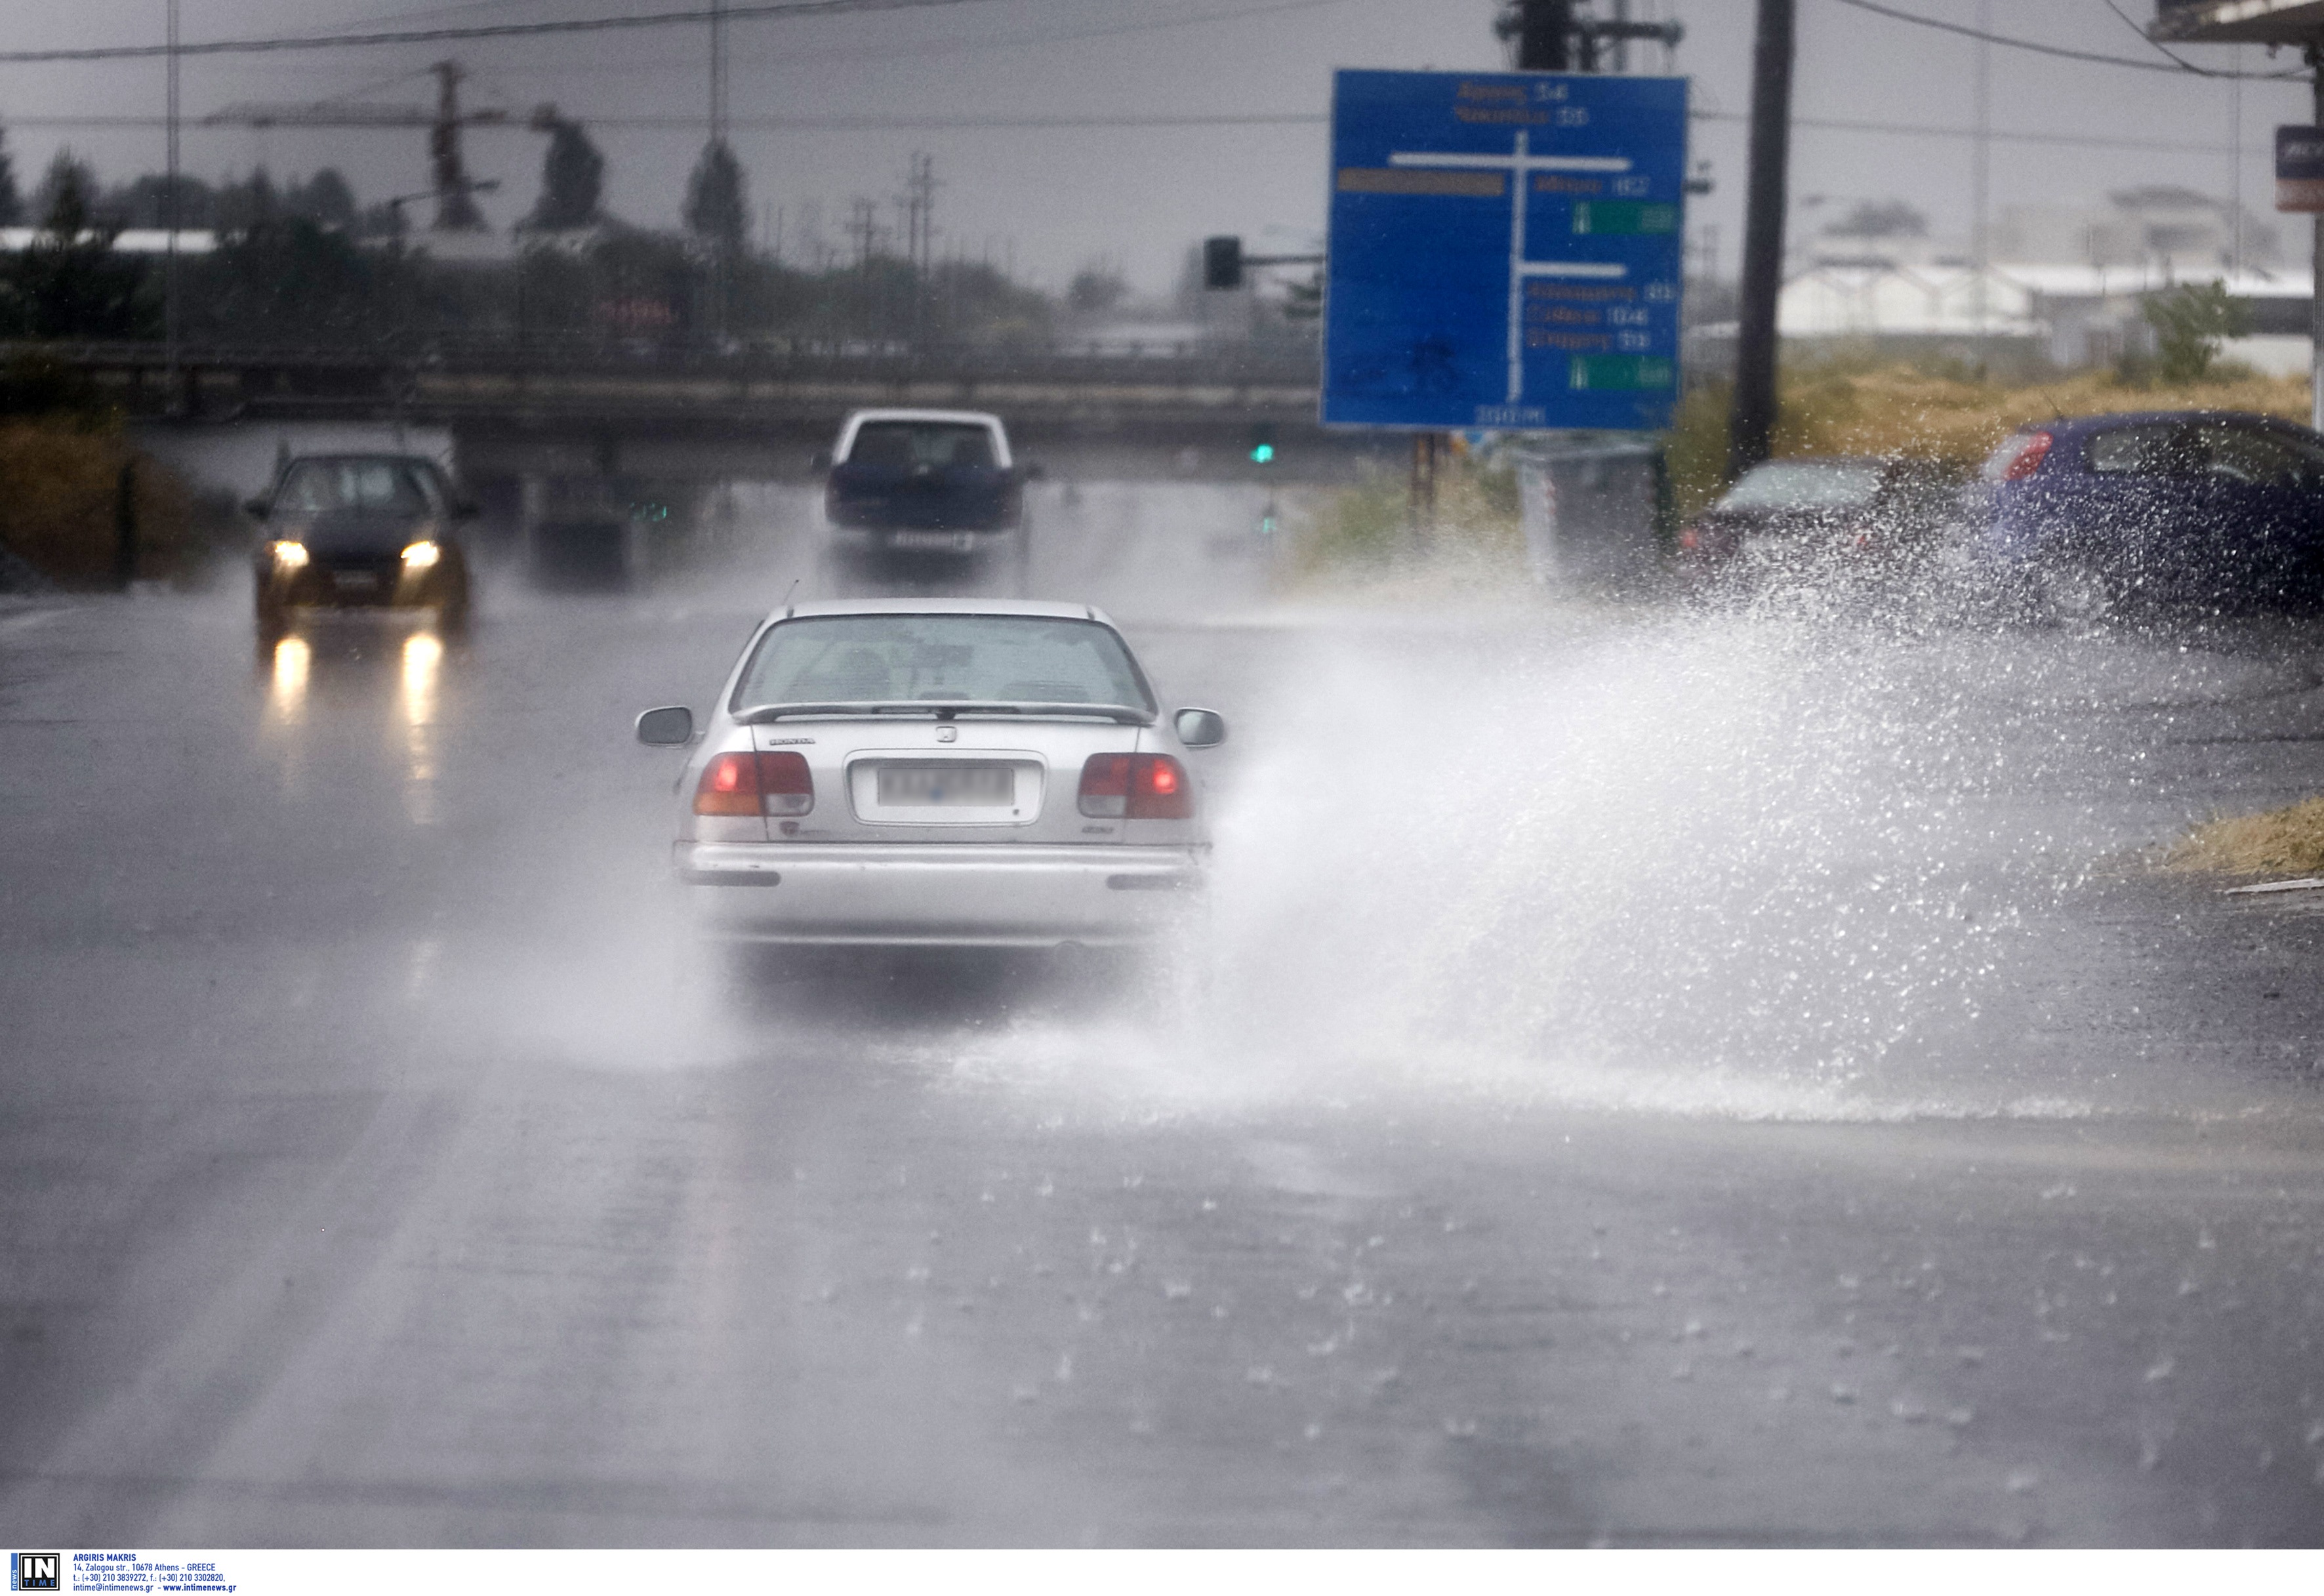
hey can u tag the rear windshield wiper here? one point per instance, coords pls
(946, 709)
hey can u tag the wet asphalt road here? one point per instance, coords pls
(1650, 1080)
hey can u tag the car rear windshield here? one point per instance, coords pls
(2236, 451)
(903, 445)
(316, 487)
(940, 659)
(1806, 484)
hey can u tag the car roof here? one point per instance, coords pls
(1045, 609)
(2074, 425)
(976, 418)
(400, 456)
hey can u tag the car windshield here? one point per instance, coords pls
(902, 445)
(1806, 484)
(940, 659)
(314, 488)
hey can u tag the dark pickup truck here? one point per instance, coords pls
(931, 483)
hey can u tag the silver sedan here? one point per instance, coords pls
(907, 773)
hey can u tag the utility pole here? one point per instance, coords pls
(1752, 424)
(172, 331)
(2315, 54)
(455, 206)
(722, 269)
(1980, 246)
(1545, 35)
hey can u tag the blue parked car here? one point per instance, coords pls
(2212, 508)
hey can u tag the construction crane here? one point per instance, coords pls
(453, 190)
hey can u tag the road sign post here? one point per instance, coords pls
(1506, 251)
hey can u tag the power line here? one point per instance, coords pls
(955, 46)
(626, 22)
(2063, 51)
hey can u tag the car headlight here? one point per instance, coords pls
(288, 555)
(419, 556)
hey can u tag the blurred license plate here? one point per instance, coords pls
(975, 785)
(961, 541)
(356, 581)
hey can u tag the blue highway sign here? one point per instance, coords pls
(1507, 250)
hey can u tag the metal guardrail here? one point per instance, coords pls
(1166, 363)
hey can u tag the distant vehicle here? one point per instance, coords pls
(906, 772)
(367, 530)
(1823, 514)
(2203, 507)
(925, 483)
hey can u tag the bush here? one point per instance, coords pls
(2190, 322)
(1368, 525)
(59, 496)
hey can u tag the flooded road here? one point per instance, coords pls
(1651, 1078)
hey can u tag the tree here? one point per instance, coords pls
(285, 276)
(68, 283)
(324, 197)
(2190, 322)
(718, 199)
(68, 194)
(252, 203)
(1880, 218)
(143, 201)
(572, 181)
(1095, 288)
(12, 204)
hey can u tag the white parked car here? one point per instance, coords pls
(938, 772)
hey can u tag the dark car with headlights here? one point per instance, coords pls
(2216, 509)
(360, 531)
(1823, 514)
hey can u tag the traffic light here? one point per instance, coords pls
(1262, 443)
(1222, 263)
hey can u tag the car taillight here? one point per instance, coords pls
(1690, 537)
(1135, 787)
(755, 784)
(2028, 459)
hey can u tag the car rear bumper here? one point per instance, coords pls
(973, 895)
(921, 540)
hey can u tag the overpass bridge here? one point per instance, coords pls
(529, 407)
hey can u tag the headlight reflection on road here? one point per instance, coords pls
(423, 662)
(286, 696)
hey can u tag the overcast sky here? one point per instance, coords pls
(1137, 195)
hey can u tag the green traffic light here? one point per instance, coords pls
(1262, 453)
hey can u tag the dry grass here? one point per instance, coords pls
(59, 487)
(2288, 842)
(1843, 407)
(1365, 527)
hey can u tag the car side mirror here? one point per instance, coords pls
(260, 508)
(671, 726)
(1200, 728)
(466, 509)
(822, 461)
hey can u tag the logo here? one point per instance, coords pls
(35, 1571)
(945, 734)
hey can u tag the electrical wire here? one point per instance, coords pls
(954, 46)
(743, 11)
(2174, 59)
(2063, 51)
